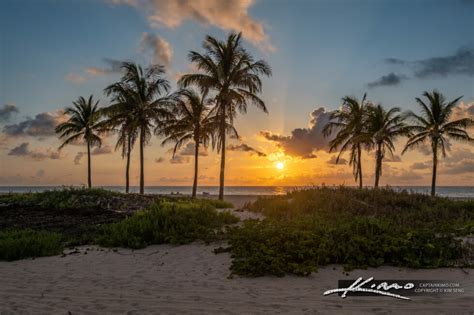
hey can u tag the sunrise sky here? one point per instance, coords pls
(51, 52)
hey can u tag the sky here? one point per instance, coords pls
(53, 51)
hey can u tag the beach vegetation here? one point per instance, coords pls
(164, 222)
(26, 243)
(357, 228)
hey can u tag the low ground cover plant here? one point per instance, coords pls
(19, 244)
(177, 222)
(353, 227)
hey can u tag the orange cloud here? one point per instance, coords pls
(229, 15)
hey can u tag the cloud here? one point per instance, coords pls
(420, 165)
(229, 15)
(39, 174)
(104, 149)
(245, 148)
(460, 168)
(6, 112)
(178, 159)
(303, 141)
(333, 158)
(75, 78)
(42, 125)
(405, 176)
(78, 157)
(463, 110)
(188, 150)
(390, 79)
(460, 63)
(23, 150)
(159, 48)
(459, 161)
(113, 66)
(393, 159)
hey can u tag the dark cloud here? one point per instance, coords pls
(178, 159)
(333, 158)
(23, 150)
(113, 66)
(245, 148)
(420, 165)
(393, 159)
(461, 62)
(6, 112)
(104, 149)
(390, 79)
(466, 166)
(303, 141)
(188, 150)
(40, 174)
(42, 125)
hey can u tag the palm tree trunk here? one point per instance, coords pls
(435, 166)
(378, 165)
(127, 170)
(196, 157)
(359, 164)
(89, 175)
(221, 178)
(142, 160)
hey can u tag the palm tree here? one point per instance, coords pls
(384, 127)
(434, 126)
(350, 124)
(144, 88)
(121, 120)
(230, 72)
(85, 124)
(192, 121)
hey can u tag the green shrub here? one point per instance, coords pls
(64, 198)
(19, 244)
(358, 228)
(176, 222)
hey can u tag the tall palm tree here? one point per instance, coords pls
(144, 89)
(191, 121)
(229, 71)
(121, 120)
(85, 124)
(349, 123)
(434, 126)
(384, 127)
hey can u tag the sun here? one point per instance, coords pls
(280, 165)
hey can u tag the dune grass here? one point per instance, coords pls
(353, 227)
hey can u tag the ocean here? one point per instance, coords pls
(445, 191)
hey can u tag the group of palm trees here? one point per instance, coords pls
(227, 80)
(203, 109)
(362, 125)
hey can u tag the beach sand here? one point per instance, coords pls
(190, 278)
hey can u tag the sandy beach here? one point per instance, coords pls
(192, 279)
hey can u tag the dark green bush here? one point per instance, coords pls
(353, 227)
(176, 222)
(19, 244)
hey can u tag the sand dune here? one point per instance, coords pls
(192, 279)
